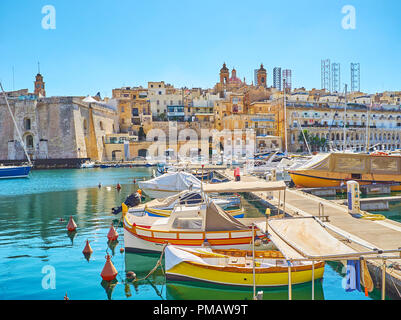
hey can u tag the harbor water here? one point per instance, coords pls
(40, 260)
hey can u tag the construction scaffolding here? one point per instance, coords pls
(355, 77)
(335, 77)
(326, 75)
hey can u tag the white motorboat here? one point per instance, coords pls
(170, 184)
(87, 164)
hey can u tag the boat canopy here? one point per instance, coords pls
(172, 181)
(354, 163)
(216, 219)
(304, 238)
(239, 186)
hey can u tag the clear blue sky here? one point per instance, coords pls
(99, 45)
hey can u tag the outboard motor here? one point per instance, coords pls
(131, 201)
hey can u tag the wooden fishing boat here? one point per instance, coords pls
(335, 169)
(236, 267)
(188, 226)
(163, 207)
(195, 225)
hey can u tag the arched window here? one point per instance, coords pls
(29, 141)
(101, 125)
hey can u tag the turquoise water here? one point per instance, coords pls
(40, 260)
(394, 211)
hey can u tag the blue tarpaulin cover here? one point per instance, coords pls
(353, 276)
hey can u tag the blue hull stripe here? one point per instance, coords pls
(14, 172)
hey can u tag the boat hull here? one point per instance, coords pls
(133, 243)
(308, 179)
(190, 271)
(14, 172)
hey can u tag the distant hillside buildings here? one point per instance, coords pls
(125, 126)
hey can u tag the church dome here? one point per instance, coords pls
(234, 78)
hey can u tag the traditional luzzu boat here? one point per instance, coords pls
(194, 225)
(188, 226)
(300, 247)
(236, 267)
(336, 168)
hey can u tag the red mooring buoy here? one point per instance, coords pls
(109, 272)
(87, 249)
(121, 250)
(112, 235)
(71, 226)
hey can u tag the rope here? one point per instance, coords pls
(391, 273)
(371, 216)
(158, 263)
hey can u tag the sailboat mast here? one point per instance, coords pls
(285, 117)
(15, 125)
(345, 116)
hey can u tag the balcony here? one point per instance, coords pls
(175, 114)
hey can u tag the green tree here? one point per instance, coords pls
(314, 141)
(302, 139)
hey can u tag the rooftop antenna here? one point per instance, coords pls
(38, 67)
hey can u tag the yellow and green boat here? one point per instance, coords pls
(234, 267)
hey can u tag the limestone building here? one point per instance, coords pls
(55, 127)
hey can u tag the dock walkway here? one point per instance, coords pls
(379, 234)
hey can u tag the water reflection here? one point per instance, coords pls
(142, 264)
(33, 234)
(199, 291)
(109, 286)
(72, 235)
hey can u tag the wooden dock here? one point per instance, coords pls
(363, 234)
